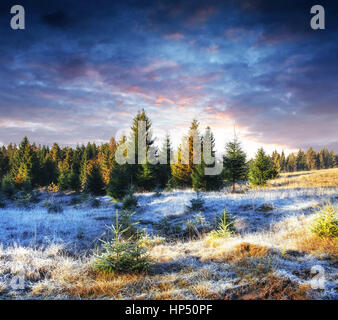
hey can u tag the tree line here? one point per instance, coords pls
(94, 169)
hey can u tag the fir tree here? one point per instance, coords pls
(282, 162)
(234, 162)
(119, 185)
(201, 180)
(276, 169)
(120, 178)
(260, 170)
(64, 169)
(332, 159)
(291, 164)
(324, 158)
(142, 172)
(106, 157)
(311, 159)
(301, 161)
(49, 171)
(188, 155)
(26, 164)
(4, 163)
(164, 169)
(93, 182)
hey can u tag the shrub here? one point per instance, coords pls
(225, 226)
(55, 207)
(122, 255)
(325, 223)
(196, 204)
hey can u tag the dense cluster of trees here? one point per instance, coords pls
(309, 160)
(94, 168)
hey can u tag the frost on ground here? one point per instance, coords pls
(273, 255)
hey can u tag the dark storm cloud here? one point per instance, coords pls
(84, 65)
(58, 19)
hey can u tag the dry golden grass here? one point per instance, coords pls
(245, 250)
(230, 251)
(274, 288)
(162, 286)
(165, 253)
(87, 284)
(297, 236)
(203, 290)
(169, 296)
(318, 246)
(306, 179)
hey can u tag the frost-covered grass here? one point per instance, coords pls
(77, 228)
(271, 255)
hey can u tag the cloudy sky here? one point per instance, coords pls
(81, 69)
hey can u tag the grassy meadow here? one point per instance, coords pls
(272, 251)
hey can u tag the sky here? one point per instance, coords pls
(81, 70)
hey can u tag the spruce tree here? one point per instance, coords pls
(163, 169)
(120, 179)
(311, 159)
(49, 171)
(4, 163)
(93, 182)
(276, 169)
(26, 164)
(142, 172)
(282, 162)
(260, 170)
(188, 155)
(324, 159)
(200, 180)
(332, 159)
(301, 161)
(291, 163)
(181, 175)
(106, 157)
(234, 162)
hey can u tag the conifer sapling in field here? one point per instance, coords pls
(122, 254)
